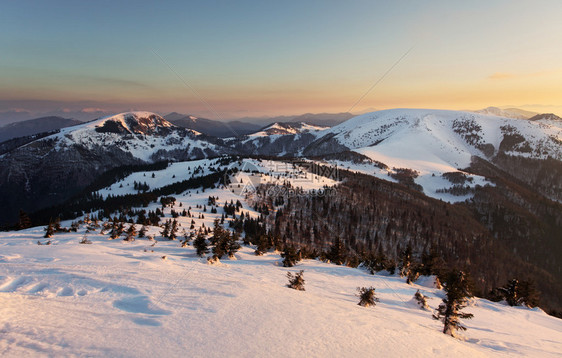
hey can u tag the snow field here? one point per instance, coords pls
(113, 298)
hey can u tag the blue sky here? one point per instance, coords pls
(267, 58)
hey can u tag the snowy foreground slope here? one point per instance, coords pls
(114, 298)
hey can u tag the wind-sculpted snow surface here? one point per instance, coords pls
(119, 299)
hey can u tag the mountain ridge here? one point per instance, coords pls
(430, 142)
(34, 126)
(211, 127)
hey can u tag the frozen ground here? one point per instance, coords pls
(120, 299)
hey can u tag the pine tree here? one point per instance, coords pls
(219, 247)
(113, 234)
(290, 256)
(186, 238)
(511, 292)
(233, 245)
(142, 232)
(131, 233)
(457, 286)
(296, 281)
(519, 293)
(24, 221)
(74, 226)
(200, 244)
(376, 263)
(421, 300)
(406, 261)
(432, 263)
(367, 296)
(173, 230)
(49, 231)
(84, 240)
(56, 225)
(530, 297)
(166, 231)
(337, 252)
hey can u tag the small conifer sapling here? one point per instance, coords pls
(367, 296)
(296, 281)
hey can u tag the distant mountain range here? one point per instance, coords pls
(250, 125)
(287, 128)
(516, 113)
(318, 119)
(212, 127)
(428, 141)
(34, 126)
(234, 128)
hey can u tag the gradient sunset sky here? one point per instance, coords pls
(254, 58)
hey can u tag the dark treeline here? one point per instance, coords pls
(14, 143)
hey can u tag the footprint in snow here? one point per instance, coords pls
(67, 291)
(14, 285)
(40, 287)
(146, 322)
(139, 304)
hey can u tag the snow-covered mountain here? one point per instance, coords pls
(57, 166)
(318, 119)
(546, 116)
(448, 137)
(428, 143)
(279, 128)
(435, 142)
(145, 136)
(516, 113)
(277, 139)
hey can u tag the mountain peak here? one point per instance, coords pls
(285, 128)
(175, 116)
(515, 113)
(131, 122)
(546, 116)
